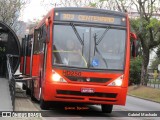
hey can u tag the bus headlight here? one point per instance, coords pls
(117, 82)
(57, 78)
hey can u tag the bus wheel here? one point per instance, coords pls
(43, 105)
(28, 91)
(24, 86)
(32, 94)
(107, 108)
(33, 98)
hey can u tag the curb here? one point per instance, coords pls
(143, 98)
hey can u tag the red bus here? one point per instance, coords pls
(80, 55)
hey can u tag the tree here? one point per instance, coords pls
(155, 63)
(147, 30)
(158, 52)
(107, 4)
(10, 11)
(135, 71)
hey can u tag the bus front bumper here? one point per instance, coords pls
(94, 94)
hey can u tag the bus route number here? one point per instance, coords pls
(71, 73)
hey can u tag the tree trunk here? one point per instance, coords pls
(144, 70)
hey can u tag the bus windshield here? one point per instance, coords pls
(89, 47)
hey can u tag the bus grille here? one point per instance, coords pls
(85, 79)
(78, 93)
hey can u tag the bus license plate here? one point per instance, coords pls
(87, 90)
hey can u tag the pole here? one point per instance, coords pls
(158, 75)
(158, 79)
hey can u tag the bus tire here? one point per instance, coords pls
(24, 87)
(33, 98)
(43, 105)
(32, 94)
(107, 108)
(28, 91)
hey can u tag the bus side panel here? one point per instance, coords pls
(40, 74)
(21, 64)
(122, 96)
(48, 73)
(127, 62)
(35, 65)
(28, 65)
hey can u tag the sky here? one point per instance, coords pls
(34, 10)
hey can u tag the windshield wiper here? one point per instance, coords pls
(77, 34)
(97, 42)
(101, 38)
(96, 49)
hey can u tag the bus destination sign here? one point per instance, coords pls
(90, 18)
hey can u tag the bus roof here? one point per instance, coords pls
(95, 10)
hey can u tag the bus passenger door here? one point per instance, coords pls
(43, 57)
(36, 63)
(41, 60)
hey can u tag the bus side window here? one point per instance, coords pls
(43, 33)
(42, 38)
(23, 47)
(29, 45)
(36, 40)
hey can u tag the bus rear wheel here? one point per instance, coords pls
(107, 108)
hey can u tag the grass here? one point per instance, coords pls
(145, 92)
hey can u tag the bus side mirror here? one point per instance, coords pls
(134, 45)
(133, 36)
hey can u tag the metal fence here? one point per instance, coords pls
(153, 81)
(11, 78)
(16, 78)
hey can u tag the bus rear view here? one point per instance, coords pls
(86, 58)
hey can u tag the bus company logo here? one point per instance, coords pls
(6, 114)
(88, 79)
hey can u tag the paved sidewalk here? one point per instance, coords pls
(5, 98)
(23, 103)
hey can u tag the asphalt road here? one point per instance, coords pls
(133, 105)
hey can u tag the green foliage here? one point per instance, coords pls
(158, 51)
(155, 63)
(154, 23)
(135, 70)
(102, 0)
(142, 26)
(148, 32)
(92, 4)
(139, 25)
